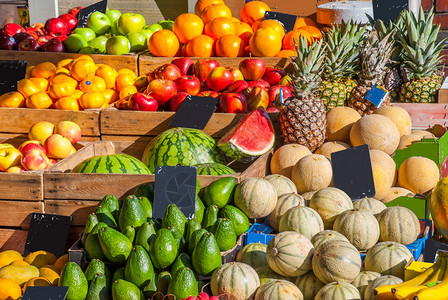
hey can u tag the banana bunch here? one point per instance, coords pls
(429, 285)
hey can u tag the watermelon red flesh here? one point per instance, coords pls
(252, 136)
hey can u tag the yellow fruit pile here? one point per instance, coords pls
(71, 84)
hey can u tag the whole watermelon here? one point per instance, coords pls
(116, 163)
(214, 169)
(181, 147)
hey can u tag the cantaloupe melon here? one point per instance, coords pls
(329, 203)
(336, 260)
(387, 258)
(329, 147)
(312, 173)
(290, 254)
(380, 281)
(307, 196)
(256, 197)
(360, 227)
(282, 184)
(378, 157)
(418, 174)
(253, 254)
(378, 131)
(398, 224)
(396, 192)
(285, 158)
(398, 115)
(422, 133)
(407, 140)
(279, 289)
(338, 291)
(303, 220)
(339, 123)
(309, 284)
(284, 202)
(370, 204)
(325, 236)
(364, 278)
(266, 274)
(382, 181)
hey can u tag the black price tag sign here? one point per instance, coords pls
(175, 185)
(288, 21)
(194, 112)
(84, 14)
(45, 292)
(352, 172)
(48, 232)
(387, 10)
(11, 71)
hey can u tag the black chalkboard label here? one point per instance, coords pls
(194, 112)
(387, 10)
(45, 293)
(288, 21)
(84, 14)
(11, 71)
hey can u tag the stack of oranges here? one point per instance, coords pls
(213, 31)
(71, 84)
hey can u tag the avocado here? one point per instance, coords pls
(163, 249)
(139, 269)
(198, 187)
(73, 277)
(129, 232)
(194, 239)
(220, 192)
(98, 289)
(147, 207)
(237, 217)
(180, 240)
(224, 234)
(199, 209)
(145, 234)
(206, 256)
(183, 284)
(151, 288)
(131, 213)
(192, 226)
(115, 245)
(104, 215)
(92, 245)
(174, 217)
(163, 281)
(118, 274)
(181, 261)
(97, 266)
(125, 290)
(210, 217)
(110, 202)
(145, 190)
(91, 221)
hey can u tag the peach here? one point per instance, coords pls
(70, 130)
(40, 131)
(58, 146)
(9, 157)
(34, 159)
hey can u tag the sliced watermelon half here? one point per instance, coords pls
(251, 137)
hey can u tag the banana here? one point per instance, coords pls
(437, 292)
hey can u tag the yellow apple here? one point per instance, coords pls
(40, 131)
(9, 157)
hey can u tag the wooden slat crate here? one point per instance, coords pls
(426, 115)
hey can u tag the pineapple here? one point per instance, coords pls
(374, 55)
(303, 118)
(340, 64)
(421, 58)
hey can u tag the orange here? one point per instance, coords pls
(254, 25)
(201, 4)
(219, 27)
(40, 83)
(183, 50)
(64, 63)
(126, 71)
(235, 19)
(62, 70)
(39, 100)
(314, 31)
(9, 289)
(92, 84)
(201, 46)
(110, 96)
(187, 26)
(12, 99)
(253, 11)
(215, 11)
(229, 46)
(62, 78)
(274, 24)
(8, 256)
(286, 53)
(244, 31)
(288, 40)
(108, 74)
(163, 43)
(74, 61)
(303, 21)
(265, 42)
(127, 91)
(44, 70)
(67, 103)
(26, 87)
(28, 71)
(83, 68)
(123, 80)
(91, 100)
(77, 94)
(61, 261)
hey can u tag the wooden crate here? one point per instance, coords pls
(426, 115)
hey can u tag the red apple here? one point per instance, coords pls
(260, 83)
(38, 28)
(28, 45)
(15, 169)
(24, 144)
(162, 90)
(274, 92)
(3, 31)
(20, 36)
(236, 73)
(70, 20)
(143, 102)
(12, 28)
(233, 103)
(185, 65)
(212, 94)
(7, 42)
(123, 104)
(43, 39)
(53, 46)
(34, 159)
(203, 67)
(60, 38)
(256, 96)
(177, 100)
(252, 68)
(58, 146)
(272, 109)
(273, 75)
(33, 146)
(167, 72)
(56, 26)
(141, 82)
(74, 11)
(70, 130)
(219, 78)
(237, 86)
(188, 84)
(53, 162)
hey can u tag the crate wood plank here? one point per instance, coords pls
(79, 210)
(19, 120)
(426, 115)
(13, 239)
(18, 213)
(116, 61)
(134, 146)
(21, 186)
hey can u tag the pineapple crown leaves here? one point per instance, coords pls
(421, 52)
(306, 77)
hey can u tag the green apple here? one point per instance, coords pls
(87, 33)
(149, 30)
(113, 15)
(130, 22)
(74, 43)
(99, 44)
(114, 29)
(138, 41)
(99, 22)
(87, 50)
(167, 24)
(118, 45)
